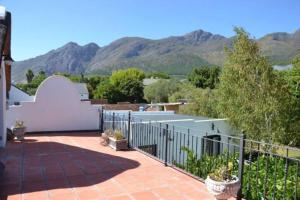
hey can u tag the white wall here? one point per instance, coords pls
(221, 126)
(2, 106)
(57, 107)
(16, 95)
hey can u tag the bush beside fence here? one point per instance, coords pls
(264, 173)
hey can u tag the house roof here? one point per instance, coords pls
(149, 81)
(13, 85)
(82, 88)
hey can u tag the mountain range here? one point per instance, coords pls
(173, 55)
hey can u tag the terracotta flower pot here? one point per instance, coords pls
(223, 190)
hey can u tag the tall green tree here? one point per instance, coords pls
(292, 79)
(205, 76)
(123, 85)
(201, 102)
(161, 90)
(31, 87)
(92, 84)
(251, 95)
(29, 75)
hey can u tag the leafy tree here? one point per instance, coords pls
(161, 90)
(292, 79)
(42, 73)
(123, 85)
(251, 95)
(31, 87)
(92, 84)
(29, 75)
(107, 91)
(205, 76)
(201, 102)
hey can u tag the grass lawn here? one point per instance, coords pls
(292, 153)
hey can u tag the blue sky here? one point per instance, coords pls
(42, 25)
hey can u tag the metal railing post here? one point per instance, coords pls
(113, 121)
(241, 166)
(101, 120)
(166, 145)
(128, 136)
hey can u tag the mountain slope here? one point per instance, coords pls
(174, 55)
(69, 58)
(280, 47)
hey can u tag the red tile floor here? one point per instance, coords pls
(76, 166)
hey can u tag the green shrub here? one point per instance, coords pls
(259, 176)
(118, 135)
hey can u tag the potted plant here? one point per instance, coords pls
(19, 130)
(222, 184)
(104, 139)
(117, 141)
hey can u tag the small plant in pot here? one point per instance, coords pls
(104, 139)
(19, 130)
(222, 184)
(117, 141)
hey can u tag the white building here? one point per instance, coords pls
(57, 106)
(17, 95)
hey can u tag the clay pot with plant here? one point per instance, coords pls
(222, 184)
(117, 141)
(19, 130)
(104, 139)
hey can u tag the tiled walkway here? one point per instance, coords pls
(76, 166)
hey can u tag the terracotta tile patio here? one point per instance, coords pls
(76, 166)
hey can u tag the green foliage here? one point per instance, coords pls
(251, 95)
(118, 135)
(224, 173)
(272, 168)
(122, 75)
(92, 84)
(296, 62)
(29, 75)
(31, 87)
(161, 90)
(206, 164)
(205, 76)
(107, 91)
(201, 102)
(259, 176)
(161, 75)
(123, 85)
(19, 124)
(73, 78)
(292, 81)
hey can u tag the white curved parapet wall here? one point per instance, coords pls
(57, 107)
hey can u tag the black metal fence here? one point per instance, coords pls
(266, 171)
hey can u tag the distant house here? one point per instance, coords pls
(282, 67)
(149, 81)
(16, 95)
(83, 91)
